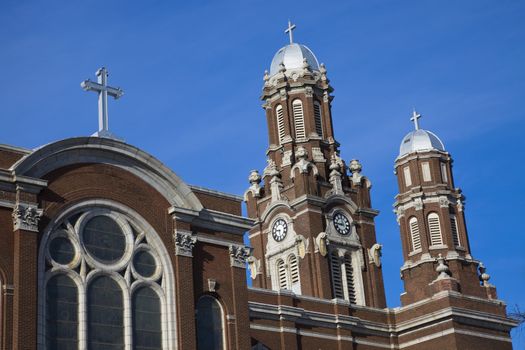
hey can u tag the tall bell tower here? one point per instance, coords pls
(430, 213)
(314, 230)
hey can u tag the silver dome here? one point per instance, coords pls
(420, 140)
(292, 57)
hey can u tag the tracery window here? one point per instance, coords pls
(210, 324)
(103, 284)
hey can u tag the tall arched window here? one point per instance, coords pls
(454, 230)
(294, 274)
(350, 283)
(318, 119)
(414, 234)
(281, 273)
(210, 328)
(102, 284)
(435, 229)
(280, 123)
(298, 117)
(337, 280)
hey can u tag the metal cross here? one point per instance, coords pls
(289, 30)
(415, 117)
(103, 90)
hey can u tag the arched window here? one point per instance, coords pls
(209, 319)
(103, 284)
(318, 119)
(350, 283)
(281, 273)
(280, 123)
(61, 313)
(454, 230)
(337, 280)
(434, 229)
(294, 274)
(298, 117)
(414, 234)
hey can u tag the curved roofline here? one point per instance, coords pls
(420, 140)
(108, 151)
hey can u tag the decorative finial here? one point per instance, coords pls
(306, 65)
(442, 268)
(483, 275)
(415, 117)
(254, 178)
(355, 166)
(301, 153)
(282, 68)
(266, 76)
(289, 30)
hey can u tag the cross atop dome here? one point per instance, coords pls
(289, 30)
(415, 118)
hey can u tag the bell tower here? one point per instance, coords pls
(314, 230)
(431, 217)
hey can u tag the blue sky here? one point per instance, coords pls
(192, 73)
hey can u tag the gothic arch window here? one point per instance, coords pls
(435, 229)
(280, 123)
(103, 283)
(282, 274)
(210, 324)
(318, 119)
(298, 117)
(293, 264)
(343, 277)
(455, 231)
(415, 237)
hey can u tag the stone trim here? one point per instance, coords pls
(26, 217)
(238, 255)
(216, 193)
(184, 242)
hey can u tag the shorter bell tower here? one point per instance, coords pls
(431, 216)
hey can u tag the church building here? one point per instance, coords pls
(103, 247)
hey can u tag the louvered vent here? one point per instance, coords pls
(280, 122)
(414, 234)
(350, 279)
(294, 274)
(337, 281)
(298, 118)
(435, 229)
(318, 119)
(455, 234)
(281, 271)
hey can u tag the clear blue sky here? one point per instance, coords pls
(192, 72)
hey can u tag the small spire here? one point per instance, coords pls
(415, 117)
(289, 30)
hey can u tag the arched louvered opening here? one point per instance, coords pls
(337, 280)
(454, 230)
(280, 123)
(414, 234)
(435, 229)
(350, 283)
(281, 274)
(298, 117)
(318, 119)
(210, 324)
(294, 274)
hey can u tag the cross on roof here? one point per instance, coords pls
(415, 117)
(289, 30)
(101, 87)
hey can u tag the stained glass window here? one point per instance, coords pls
(209, 324)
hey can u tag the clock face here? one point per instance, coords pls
(341, 223)
(279, 230)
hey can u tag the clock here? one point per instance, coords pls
(279, 230)
(341, 224)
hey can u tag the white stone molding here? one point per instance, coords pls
(374, 254)
(26, 217)
(356, 168)
(184, 242)
(287, 158)
(335, 176)
(255, 266)
(318, 155)
(443, 202)
(303, 165)
(321, 243)
(212, 285)
(238, 255)
(255, 188)
(418, 203)
(459, 204)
